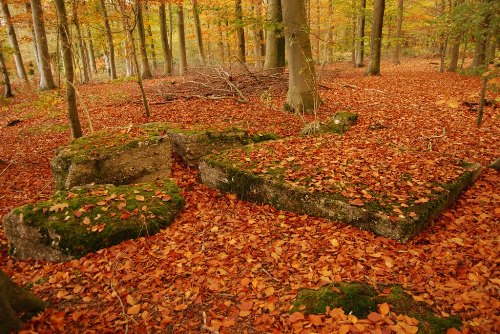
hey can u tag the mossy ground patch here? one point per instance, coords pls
(360, 299)
(89, 218)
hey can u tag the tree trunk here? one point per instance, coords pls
(84, 70)
(455, 53)
(240, 31)
(145, 69)
(318, 31)
(443, 45)
(376, 37)
(199, 36)
(302, 89)
(11, 32)
(275, 41)
(152, 46)
(397, 50)
(257, 33)
(67, 55)
(109, 37)
(14, 299)
(170, 35)
(46, 78)
(220, 42)
(90, 51)
(27, 8)
(328, 46)
(167, 62)
(360, 38)
(5, 76)
(182, 40)
(480, 48)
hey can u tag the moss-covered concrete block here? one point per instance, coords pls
(192, 145)
(338, 124)
(361, 299)
(139, 154)
(235, 176)
(86, 219)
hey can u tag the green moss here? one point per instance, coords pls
(260, 137)
(429, 323)
(360, 299)
(102, 143)
(90, 218)
(340, 122)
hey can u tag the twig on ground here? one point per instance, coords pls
(44, 187)
(10, 163)
(430, 138)
(269, 274)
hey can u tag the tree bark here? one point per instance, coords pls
(14, 299)
(90, 51)
(46, 78)
(182, 40)
(240, 32)
(199, 36)
(480, 47)
(84, 70)
(455, 53)
(220, 41)
(27, 8)
(67, 55)
(275, 41)
(399, 25)
(167, 62)
(376, 38)
(145, 69)
(360, 37)
(11, 32)
(257, 33)
(5, 76)
(152, 46)
(302, 88)
(109, 37)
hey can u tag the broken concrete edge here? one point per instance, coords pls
(221, 174)
(192, 145)
(361, 299)
(338, 124)
(86, 219)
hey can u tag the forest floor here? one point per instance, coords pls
(234, 267)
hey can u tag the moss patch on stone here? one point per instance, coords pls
(361, 299)
(397, 201)
(86, 219)
(340, 122)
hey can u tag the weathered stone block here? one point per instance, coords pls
(228, 176)
(143, 155)
(86, 219)
(338, 124)
(191, 146)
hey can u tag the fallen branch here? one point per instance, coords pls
(430, 138)
(10, 163)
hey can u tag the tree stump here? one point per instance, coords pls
(14, 300)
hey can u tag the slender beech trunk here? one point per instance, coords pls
(152, 46)
(220, 41)
(167, 62)
(5, 76)
(257, 33)
(480, 47)
(170, 35)
(145, 69)
(11, 32)
(240, 32)
(318, 31)
(360, 38)
(443, 37)
(399, 25)
(302, 88)
(90, 51)
(328, 46)
(84, 74)
(199, 36)
(67, 55)
(46, 78)
(376, 38)
(455, 54)
(27, 8)
(228, 42)
(109, 38)
(275, 40)
(182, 40)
